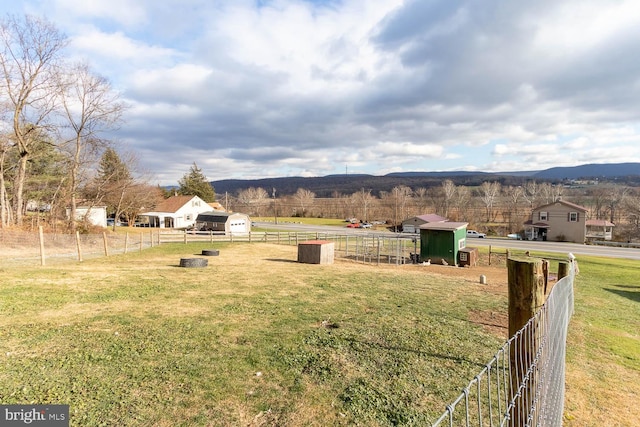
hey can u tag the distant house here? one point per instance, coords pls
(224, 222)
(560, 221)
(174, 212)
(95, 215)
(412, 225)
(599, 229)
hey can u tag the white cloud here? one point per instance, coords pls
(256, 89)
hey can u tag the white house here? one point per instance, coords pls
(174, 212)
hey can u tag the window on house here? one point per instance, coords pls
(544, 216)
(189, 217)
(573, 216)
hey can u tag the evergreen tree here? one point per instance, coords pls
(112, 182)
(111, 168)
(195, 183)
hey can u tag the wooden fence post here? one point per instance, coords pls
(78, 246)
(41, 237)
(526, 295)
(126, 241)
(104, 240)
(563, 269)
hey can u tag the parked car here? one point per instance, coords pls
(353, 225)
(515, 236)
(365, 225)
(474, 233)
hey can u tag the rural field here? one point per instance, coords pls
(257, 339)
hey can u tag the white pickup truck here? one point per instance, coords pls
(474, 233)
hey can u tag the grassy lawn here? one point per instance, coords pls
(603, 354)
(257, 339)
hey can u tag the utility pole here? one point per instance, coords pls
(275, 209)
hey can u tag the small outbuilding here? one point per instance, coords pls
(316, 252)
(440, 242)
(94, 215)
(224, 222)
(412, 225)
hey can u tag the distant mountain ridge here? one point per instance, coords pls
(327, 186)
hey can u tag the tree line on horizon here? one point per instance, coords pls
(490, 206)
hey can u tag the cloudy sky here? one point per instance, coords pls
(269, 88)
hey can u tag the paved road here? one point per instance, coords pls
(576, 249)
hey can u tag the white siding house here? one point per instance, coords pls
(174, 212)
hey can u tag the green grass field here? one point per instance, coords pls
(257, 339)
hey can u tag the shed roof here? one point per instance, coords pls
(446, 226)
(431, 218)
(214, 216)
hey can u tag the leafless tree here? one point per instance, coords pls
(550, 193)
(304, 199)
(254, 199)
(631, 204)
(5, 211)
(531, 192)
(396, 201)
(615, 199)
(489, 193)
(448, 193)
(89, 107)
(462, 202)
(30, 50)
(513, 196)
(364, 199)
(421, 196)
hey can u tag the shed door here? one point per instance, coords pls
(238, 226)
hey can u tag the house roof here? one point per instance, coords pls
(173, 203)
(444, 226)
(599, 223)
(565, 203)
(431, 218)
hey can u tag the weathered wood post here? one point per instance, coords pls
(563, 269)
(41, 237)
(526, 279)
(78, 246)
(104, 241)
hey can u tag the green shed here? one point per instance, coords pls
(441, 241)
